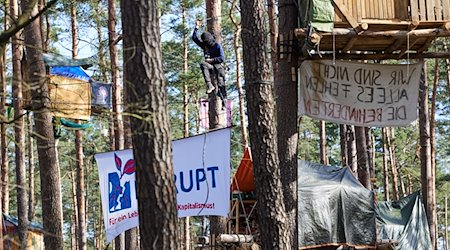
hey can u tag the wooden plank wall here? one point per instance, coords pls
(376, 9)
(398, 10)
(430, 10)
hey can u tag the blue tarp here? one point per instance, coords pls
(70, 71)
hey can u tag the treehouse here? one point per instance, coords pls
(372, 29)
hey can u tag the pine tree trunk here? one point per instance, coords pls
(351, 147)
(237, 54)
(101, 49)
(48, 162)
(120, 242)
(217, 119)
(131, 235)
(370, 153)
(260, 102)
(402, 184)
(286, 109)
(395, 192)
(31, 188)
(185, 221)
(427, 177)
(273, 26)
(343, 144)
(433, 136)
(74, 215)
(363, 165)
(323, 143)
(446, 223)
(81, 192)
(80, 228)
(147, 97)
(385, 166)
(410, 185)
(3, 144)
(3, 138)
(44, 25)
(19, 134)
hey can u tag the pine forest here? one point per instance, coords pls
(106, 104)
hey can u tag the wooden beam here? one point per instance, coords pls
(398, 42)
(436, 32)
(344, 13)
(395, 45)
(425, 45)
(405, 51)
(350, 44)
(446, 26)
(354, 56)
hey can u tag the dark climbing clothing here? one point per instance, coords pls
(212, 49)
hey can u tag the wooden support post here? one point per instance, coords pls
(237, 216)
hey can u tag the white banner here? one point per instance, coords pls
(118, 191)
(359, 94)
(201, 173)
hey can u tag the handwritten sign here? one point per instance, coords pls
(359, 94)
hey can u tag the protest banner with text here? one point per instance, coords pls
(202, 180)
(359, 94)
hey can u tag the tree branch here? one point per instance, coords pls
(23, 20)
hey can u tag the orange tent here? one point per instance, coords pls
(243, 178)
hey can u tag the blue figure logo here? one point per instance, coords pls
(119, 196)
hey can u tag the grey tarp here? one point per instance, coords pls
(405, 222)
(333, 208)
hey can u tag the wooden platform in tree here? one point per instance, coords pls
(380, 29)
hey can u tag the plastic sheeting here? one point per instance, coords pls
(60, 60)
(403, 222)
(243, 179)
(70, 71)
(318, 13)
(333, 208)
(70, 97)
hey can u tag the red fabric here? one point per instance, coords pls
(243, 178)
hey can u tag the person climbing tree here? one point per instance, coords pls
(213, 63)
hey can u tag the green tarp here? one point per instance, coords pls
(333, 208)
(60, 60)
(318, 13)
(403, 222)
